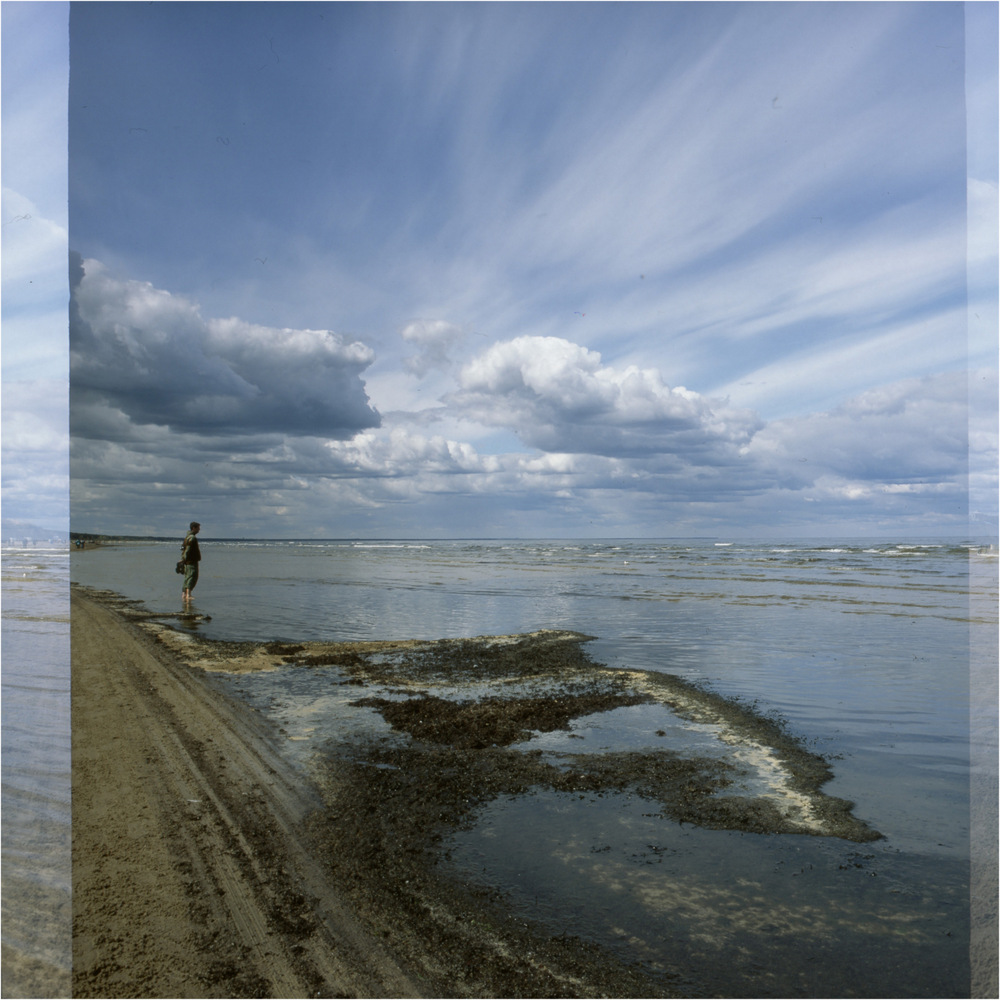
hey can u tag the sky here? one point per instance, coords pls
(509, 270)
(34, 54)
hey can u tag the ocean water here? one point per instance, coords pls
(864, 648)
(36, 895)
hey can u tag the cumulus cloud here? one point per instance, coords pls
(256, 423)
(602, 432)
(559, 396)
(907, 437)
(434, 338)
(153, 357)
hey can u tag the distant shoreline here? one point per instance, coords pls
(969, 538)
(82, 536)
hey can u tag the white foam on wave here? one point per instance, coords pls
(389, 545)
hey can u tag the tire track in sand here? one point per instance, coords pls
(191, 872)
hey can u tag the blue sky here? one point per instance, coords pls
(516, 269)
(33, 240)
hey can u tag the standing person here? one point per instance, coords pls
(190, 556)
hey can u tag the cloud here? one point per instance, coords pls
(983, 211)
(224, 416)
(35, 416)
(434, 338)
(35, 80)
(909, 437)
(559, 396)
(824, 372)
(884, 459)
(33, 245)
(34, 290)
(652, 172)
(36, 451)
(33, 220)
(860, 465)
(152, 356)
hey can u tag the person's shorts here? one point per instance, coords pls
(190, 575)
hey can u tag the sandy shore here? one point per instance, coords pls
(195, 858)
(191, 877)
(206, 864)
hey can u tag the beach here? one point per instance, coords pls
(188, 871)
(397, 804)
(195, 868)
(205, 864)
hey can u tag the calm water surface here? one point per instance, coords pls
(36, 903)
(862, 647)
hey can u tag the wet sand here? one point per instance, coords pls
(205, 864)
(191, 877)
(196, 858)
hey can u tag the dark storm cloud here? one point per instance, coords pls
(152, 356)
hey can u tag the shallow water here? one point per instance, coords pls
(862, 648)
(36, 898)
(741, 914)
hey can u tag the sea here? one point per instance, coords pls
(35, 900)
(878, 654)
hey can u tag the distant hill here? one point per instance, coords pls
(24, 531)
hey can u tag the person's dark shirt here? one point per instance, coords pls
(192, 553)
